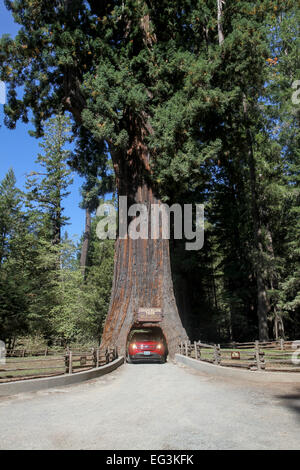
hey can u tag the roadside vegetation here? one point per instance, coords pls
(217, 90)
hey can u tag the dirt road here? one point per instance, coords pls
(152, 406)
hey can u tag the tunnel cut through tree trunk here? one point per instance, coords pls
(142, 271)
(151, 330)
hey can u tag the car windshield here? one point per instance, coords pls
(143, 337)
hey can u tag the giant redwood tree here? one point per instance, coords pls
(150, 80)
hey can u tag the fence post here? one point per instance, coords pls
(257, 355)
(281, 344)
(217, 354)
(186, 349)
(199, 352)
(46, 351)
(70, 362)
(66, 361)
(93, 352)
(196, 352)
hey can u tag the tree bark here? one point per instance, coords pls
(220, 21)
(262, 300)
(262, 307)
(56, 223)
(278, 327)
(142, 272)
(86, 241)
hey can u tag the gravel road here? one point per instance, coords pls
(153, 406)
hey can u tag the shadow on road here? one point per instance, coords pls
(291, 401)
(146, 362)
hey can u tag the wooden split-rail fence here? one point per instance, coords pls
(279, 356)
(23, 364)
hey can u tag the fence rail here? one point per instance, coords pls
(265, 356)
(33, 364)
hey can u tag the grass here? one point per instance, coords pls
(269, 355)
(38, 366)
(55, 363)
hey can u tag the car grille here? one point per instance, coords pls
(147, 347)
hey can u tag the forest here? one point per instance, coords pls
(197, 100)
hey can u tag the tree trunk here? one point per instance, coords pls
(142, 278)
(278, 327)
(56, 223)
(142, 272)
(220, 21)
(182, 296)
(86, 241)
(262, 300)
(262, 307)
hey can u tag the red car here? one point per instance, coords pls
(142, 348)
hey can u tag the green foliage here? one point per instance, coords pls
(82, 305)
(10, 213)
(219, 127)
(13, 286)
(48, 188)
(42, 291)
(98, 285)
(89, 159)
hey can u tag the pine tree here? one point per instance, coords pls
(47, 189)
(13, 282)
(91, 162)
(10, 212)
(284, 116)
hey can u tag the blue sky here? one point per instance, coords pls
(19, 151)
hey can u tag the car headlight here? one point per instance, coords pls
(134, 346)
(159, 346)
